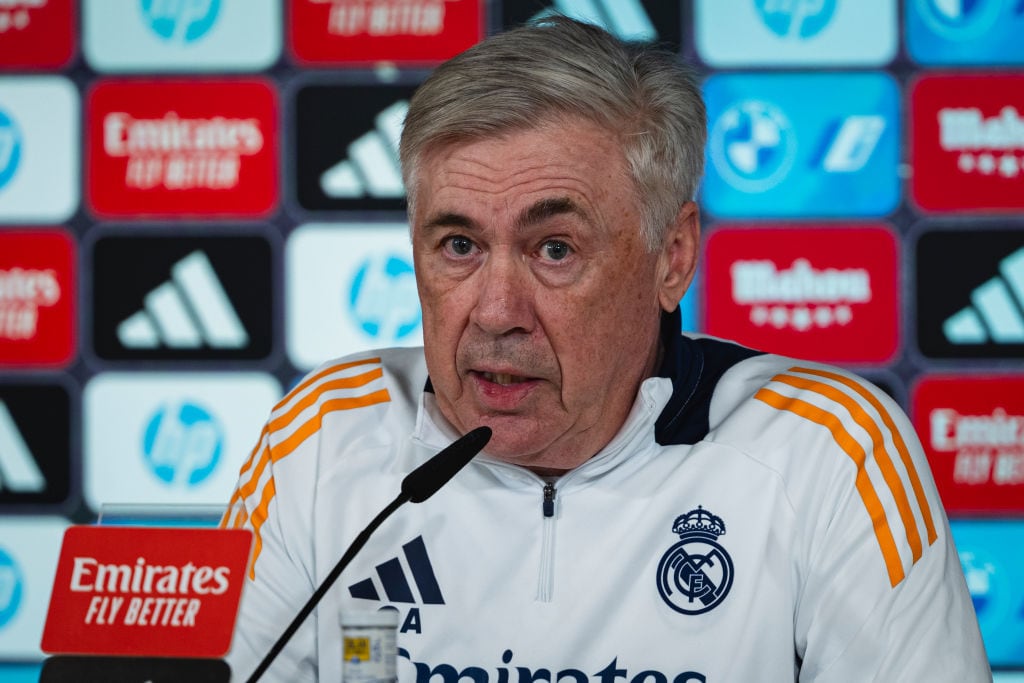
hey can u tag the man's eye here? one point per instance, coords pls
(459, 245)
(555, 250)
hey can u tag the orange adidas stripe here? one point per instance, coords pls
(285, 448)
(255, 450)
(311, 425)
(279, 423)
(883, 534)
(248, 488)
(313, 379)
(877, 448)
(897, 438)
(258, 517)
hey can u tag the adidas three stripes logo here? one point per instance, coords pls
(393, 577)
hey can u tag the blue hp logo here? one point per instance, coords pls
(960, 19)
(180, 21)
(182, 444)
(10, 588)
(10, 148)
(753, 145)
(695, 575)
(796, 19)
(383, 298)
(979, 574)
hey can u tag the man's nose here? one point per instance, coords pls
(504, 299)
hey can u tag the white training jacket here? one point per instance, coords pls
(755, 519)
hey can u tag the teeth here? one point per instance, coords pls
(500, 378)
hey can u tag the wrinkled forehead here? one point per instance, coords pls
(565, 127)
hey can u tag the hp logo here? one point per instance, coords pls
(382, 298)
(960, 19)
(796, 19)
(180, 21)
(10, 588)
(182, 444)
(753, 145)
(10, 148)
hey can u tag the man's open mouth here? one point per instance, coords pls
(503, 378)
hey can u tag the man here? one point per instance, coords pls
(651, 507)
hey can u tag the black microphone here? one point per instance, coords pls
(418, 485)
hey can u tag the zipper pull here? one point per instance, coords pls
(549, 500)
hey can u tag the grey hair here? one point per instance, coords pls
(562, 68)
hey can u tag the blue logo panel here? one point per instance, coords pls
(10, 148)
(759, 33)
(180, 21)
(11, 583)
(950, 32)
(992, 557)
(794, 145)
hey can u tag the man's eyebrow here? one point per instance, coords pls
(546, 208)
(449, 219)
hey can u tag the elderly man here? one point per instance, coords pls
(651, 508)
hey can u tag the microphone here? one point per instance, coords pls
(418, 485)
(425, 480)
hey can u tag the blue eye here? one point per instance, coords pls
(460, 245)
(556, 250)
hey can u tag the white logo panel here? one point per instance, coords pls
(732, 33)
(190, 35)
(39, 142)
(349, 287)
(171, 438)
(29, 548)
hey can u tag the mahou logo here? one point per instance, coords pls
(367, 31)
(37, 298)
(182, 148)
(828, 294)
(967, 146)
(972, 429)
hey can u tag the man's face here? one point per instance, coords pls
(541, 303)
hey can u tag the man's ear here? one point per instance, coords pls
(678, 258)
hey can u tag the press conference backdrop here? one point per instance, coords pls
(200, 201)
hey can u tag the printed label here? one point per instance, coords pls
(37, 298)
(774, 152)
(397, 31)
(828, 294)
(178, 148)
(972, 429)
(967, 146)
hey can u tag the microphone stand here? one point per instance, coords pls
(319, 593)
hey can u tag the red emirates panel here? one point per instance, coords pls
(972, 429)
(967, 142)
(36, 34)
(37, 298)
(144, 591)
(204, 148)
(360, 32)
(828, 294)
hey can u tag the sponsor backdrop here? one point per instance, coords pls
(200, 201)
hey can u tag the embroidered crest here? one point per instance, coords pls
(696, 573)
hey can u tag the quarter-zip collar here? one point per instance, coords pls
(434, 432)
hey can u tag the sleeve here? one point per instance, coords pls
(882, 595)
(279, 579)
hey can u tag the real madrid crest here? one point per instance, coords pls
(695, 575)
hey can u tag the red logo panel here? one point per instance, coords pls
(826, 294)
(972, 429)
(163, 592)
(967, 142)
(37, 297)
(368, 31)
(182, 148)
(36, 34)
